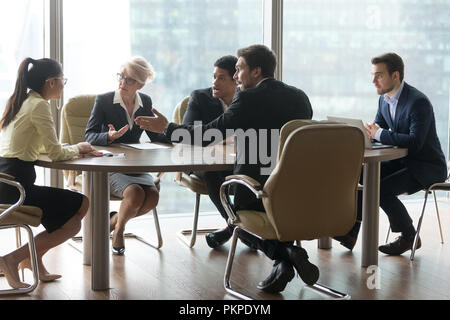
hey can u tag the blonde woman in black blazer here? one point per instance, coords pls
(112, 121)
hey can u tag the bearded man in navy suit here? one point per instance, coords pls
(405, 118)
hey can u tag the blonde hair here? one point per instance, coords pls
(139, 69)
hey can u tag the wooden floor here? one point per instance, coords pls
(176, 272)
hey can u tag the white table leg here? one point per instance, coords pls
(370, 218)
(87, 225)
(100, 231)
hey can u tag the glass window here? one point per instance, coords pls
(22, 25)
(24, 22)
(328, 46)
(181, 39)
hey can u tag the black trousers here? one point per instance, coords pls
(395, 179)
(213, 180)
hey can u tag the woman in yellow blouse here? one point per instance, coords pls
(27, 129)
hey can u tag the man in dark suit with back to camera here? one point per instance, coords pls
(262, 104)
(405, 118)
(205, 105)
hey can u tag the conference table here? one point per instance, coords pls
(158, 158)
(190, 158)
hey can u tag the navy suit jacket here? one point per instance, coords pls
(268, 106)
(414, 127)
(203, 107)
(106, 112)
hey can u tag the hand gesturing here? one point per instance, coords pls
(113, 134)
(155, 124)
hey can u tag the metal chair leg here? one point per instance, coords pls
(416, 238)
(156, 245)
(227, 285)
(33, 261)
(193, 232)
(387, 235)
(437, 215)
(331, 292)
(158, 234)
(229, 266)
(18, 245)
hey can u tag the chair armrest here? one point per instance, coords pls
(6, 178)
(246, 181)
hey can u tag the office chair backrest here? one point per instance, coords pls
(312, 191)
(180, 110)
(74, 118)
(291, 126)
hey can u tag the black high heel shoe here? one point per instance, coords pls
(118, 251)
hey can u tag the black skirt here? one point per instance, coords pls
(58, 205)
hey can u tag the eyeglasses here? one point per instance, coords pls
(64, 80)
(128, 81)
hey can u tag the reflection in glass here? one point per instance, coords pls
(22, 35)
(328, 46)
(182, 39)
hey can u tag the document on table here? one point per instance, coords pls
(145, 146)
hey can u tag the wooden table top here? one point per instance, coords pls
(178, 158)
(384, 154)
(171, 159)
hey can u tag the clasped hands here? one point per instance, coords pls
(371, 129)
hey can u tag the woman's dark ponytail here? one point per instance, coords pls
(20, 94)
(33, 78)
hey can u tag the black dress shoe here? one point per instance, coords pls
(399, 246)
(305, 269)
(347, 241)
(282, 272)
(118, 251)
(217, 238)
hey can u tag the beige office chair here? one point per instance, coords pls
(442, 186)
(74, 118)
(311, 193)
(18, 216)
(190, 181)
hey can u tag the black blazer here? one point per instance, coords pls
(106, 112)
(203, 107)
(268, 106)
(414, 127)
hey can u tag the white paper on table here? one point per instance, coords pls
(145, 146)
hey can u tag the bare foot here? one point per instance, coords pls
(44, 275)
(11, 274)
